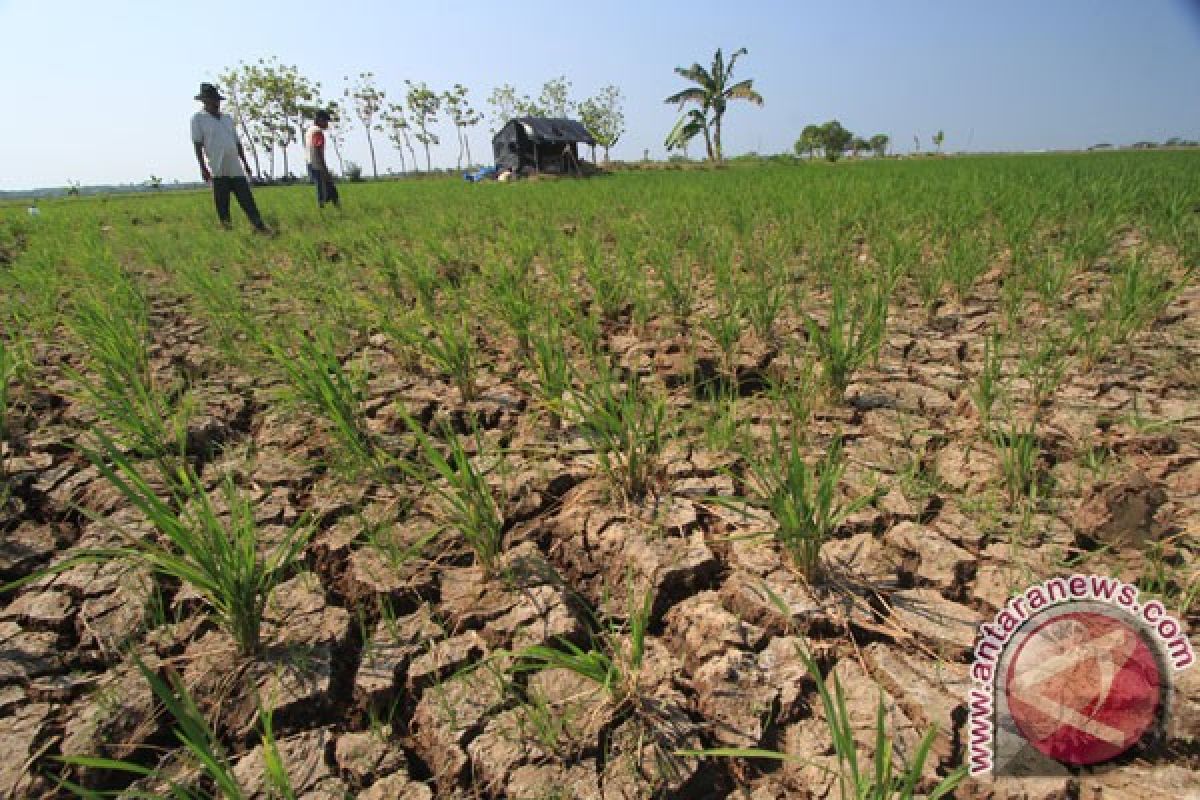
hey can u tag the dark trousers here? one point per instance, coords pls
(326, 189)
(240, 188)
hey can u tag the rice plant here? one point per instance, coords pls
(612, 660)
(988, 387)
(853, 336)
(201, 744)
(887, 779)
(468, 503)
(1019, 452)
(1138, 293)
(626, 427)
(319, 381)
(216, 553)
(803, 500)
(551, 364)
(454, 351)
(118, 385)
(11, 364)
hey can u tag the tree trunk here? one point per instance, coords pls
(283, 147)
(708, 145)
(467, 144)
(428, 168)
(337, 151)
(605, 154)
(250, 141)
(717, 137)
(412, 154)
(371, 146)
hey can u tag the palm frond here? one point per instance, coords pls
(692, 95)
(743, 90)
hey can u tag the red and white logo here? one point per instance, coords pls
(1083, 687)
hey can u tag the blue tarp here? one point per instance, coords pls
(484, 173)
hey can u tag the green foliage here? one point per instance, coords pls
(804, 501)
(467, 501)
(854, 333)
(626, 426)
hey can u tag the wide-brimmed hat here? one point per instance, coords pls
(208, 91)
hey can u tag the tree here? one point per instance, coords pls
(712, 94)
(835, 139)
(938, 138)
(603, 117)
(858, 144)
(553, 101)
(463, 116)
(233, 80)
(367, 100)
(879, 144)
(809, 141)
(282, 94)
(397, 130)
(505, 103)
(423, 105)
(336, 133)
(688, 127)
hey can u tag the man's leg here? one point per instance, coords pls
(315, 177)
(331, 193)
(241, 189)
(221, 189)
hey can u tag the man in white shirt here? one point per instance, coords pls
(318, 170)
(214, 137)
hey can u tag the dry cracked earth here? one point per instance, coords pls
(368, 650)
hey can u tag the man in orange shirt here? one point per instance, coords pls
(318, 170)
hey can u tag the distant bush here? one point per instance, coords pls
(353, 172)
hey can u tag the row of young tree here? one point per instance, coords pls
(271, 103)
(833, 140)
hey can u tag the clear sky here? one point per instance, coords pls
(101, 92)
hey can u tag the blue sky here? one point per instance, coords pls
(102, 92)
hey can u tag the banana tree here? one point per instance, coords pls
(712, 94)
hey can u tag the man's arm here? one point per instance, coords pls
(204, 173)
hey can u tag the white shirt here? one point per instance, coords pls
(220, 142)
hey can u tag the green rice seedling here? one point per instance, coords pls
(853, 336)
(467, 502)
(1049, 275)
(930, 279)
(551, 364)
(610, 291)
(1044, 366)
(11, 365)
(803, 500)
(119, 386)
(192, 731)
(676, 282)
(319, 381)
(1137, 295)
(988, 387)
(216, 554)
(884, 782)
(454, 351)
(512, 298)
(277, 780)
(613, 659)
(887, 779)
(626, 427)
(966, 261)
(1170, 579)
(725, 329)
(1019, 453)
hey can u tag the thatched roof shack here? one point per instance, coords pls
(540, 143)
